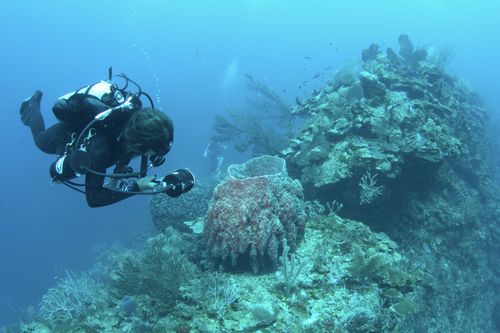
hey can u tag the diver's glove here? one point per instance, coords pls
(143, 185)
(149, 183)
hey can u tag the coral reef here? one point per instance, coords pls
(406, 121)
(333, 292)
(410, 56)
(252, 210)
(351, 280)
(399, 232)
(409, 157)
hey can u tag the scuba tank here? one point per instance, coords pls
(81, 106)
(105, 91)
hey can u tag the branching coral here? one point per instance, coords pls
(257, 126)
(158, 273)
(73, 297)
(268, 101)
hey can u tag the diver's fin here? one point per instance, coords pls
(205, 153)
(28, 105)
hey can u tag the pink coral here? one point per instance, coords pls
(252, 211)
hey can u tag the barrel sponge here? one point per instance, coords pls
(252, 211)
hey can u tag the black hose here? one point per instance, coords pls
(73, 187)
(110, 175)
(123, 76)
(149, 99)
(73, 183)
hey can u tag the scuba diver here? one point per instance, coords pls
(215, 151)
(101, 126)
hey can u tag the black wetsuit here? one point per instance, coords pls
(105, 149)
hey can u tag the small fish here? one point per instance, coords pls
(300, 87)
(316, 76)
(304, 82)
(283, 91)
(307, 58)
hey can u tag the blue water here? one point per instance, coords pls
(191, 56)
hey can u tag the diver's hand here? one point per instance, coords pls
(148, 183)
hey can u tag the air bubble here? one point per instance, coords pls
(137, 44)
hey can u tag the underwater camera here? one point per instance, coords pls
(178, 182)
